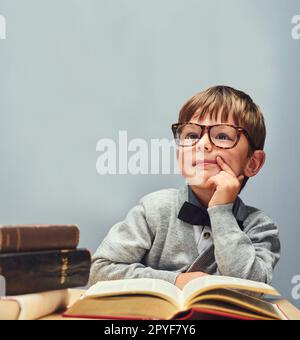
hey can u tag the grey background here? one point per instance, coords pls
(74, 71)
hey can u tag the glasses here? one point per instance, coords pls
(223, 136)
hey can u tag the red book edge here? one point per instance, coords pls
(186, 317)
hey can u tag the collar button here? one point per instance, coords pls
(206, 235)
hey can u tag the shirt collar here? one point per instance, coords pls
(194, 213)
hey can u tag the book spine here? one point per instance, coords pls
(27, 273)
(38, 237)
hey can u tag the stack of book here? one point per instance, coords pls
(38, 264)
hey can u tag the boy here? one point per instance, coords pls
(203, 228)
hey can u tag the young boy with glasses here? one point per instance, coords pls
(203, 228)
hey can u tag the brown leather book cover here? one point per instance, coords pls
(35, 237)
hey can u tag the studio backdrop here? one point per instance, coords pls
(79, 78)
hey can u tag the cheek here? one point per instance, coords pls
(184, 160)
(235, 161)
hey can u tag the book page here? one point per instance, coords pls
(203, 284)
(152, 287)
(238, 299)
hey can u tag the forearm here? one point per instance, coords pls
(234, 252)
(120, 255)
(105, 270)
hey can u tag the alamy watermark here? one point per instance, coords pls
(296, 27)
(136, 157)
(157, 157)
(2, 27)
(2, 286)
(296, 287)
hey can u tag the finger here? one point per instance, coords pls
(210, 183)
(217, 181)
(224, 166)
(241, 179)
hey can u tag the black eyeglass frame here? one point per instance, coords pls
(208, 128)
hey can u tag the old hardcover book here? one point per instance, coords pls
(203, 298)
(35, 272)
(33, 306)
(23, 238)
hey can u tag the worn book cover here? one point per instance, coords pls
(33, 237)
(34, 272)
(33, 306)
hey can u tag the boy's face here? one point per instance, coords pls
(192, 160)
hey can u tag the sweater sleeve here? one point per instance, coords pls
(121, 252)
(250, 254)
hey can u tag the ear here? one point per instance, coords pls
(255, 163)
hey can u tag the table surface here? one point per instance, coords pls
(289, 310)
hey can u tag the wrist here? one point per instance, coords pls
(226, 207)
(213, 203)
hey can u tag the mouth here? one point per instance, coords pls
(205, 163)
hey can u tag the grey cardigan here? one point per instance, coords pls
(154, 241)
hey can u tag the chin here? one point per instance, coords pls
(197, 182)
(200, 182)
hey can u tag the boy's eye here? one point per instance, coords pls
(223, 136)
(191, 136)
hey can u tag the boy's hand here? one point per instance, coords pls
(226, 185)
(184, 278)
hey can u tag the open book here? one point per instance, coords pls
(205, 297)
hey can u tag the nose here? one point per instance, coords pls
(204, 143)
